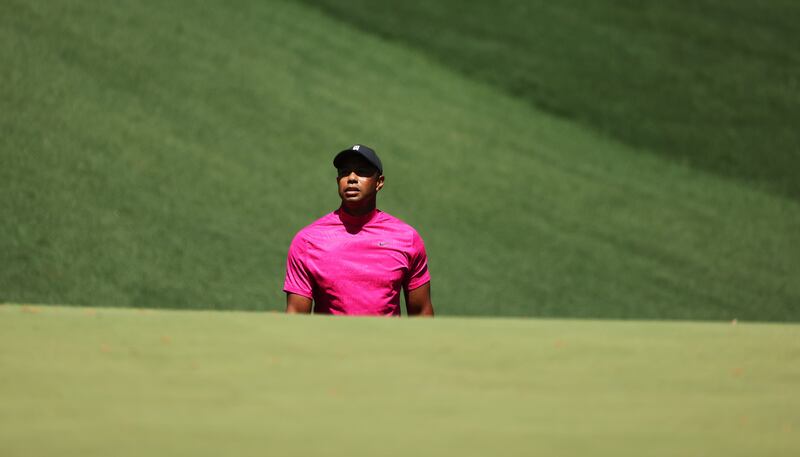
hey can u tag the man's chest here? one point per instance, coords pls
(372, 258)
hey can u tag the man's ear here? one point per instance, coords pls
(379, 183)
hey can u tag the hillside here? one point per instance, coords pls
(710, 83)
(164, 155)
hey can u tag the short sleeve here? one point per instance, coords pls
(298, 280)
(418, 269)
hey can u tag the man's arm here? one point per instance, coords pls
(297, 304)
(418, 301)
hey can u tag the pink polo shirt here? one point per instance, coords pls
(356, 265)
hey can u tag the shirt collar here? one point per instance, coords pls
(351, 220)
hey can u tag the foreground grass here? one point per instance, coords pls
(141, 382)
(163, 155)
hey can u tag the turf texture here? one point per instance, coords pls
(95, 381)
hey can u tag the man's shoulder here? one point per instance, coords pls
(324, 221)
(396, 223)
(327, 219)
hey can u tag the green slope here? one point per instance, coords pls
(123, 382)
(707, 82)
(164, 155)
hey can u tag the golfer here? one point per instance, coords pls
(356, 259)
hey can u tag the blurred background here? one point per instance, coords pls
(616, 159)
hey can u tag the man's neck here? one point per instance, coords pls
(359, 210)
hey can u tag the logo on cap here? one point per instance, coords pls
(355, 148)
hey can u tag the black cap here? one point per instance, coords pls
(364, 151)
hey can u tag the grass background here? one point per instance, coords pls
(131, 382)
(710, 83)
(164, 155)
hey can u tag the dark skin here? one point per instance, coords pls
(359, 183)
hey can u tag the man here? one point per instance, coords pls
(356, 259)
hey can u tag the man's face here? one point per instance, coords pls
(358, 180)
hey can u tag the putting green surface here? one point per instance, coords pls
(81, 381)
